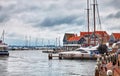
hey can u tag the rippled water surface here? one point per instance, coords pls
(36, 63)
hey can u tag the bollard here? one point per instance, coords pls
(109, 58)
(109, 73)
(98, 59)
(106, 59)
(96, 71)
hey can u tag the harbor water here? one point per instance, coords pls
(36, 63)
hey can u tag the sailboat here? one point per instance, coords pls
(3, 46)
(85, 52)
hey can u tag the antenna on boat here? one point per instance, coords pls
(59, 41)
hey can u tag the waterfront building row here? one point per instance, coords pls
(72, 41)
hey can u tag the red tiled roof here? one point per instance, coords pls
(101, 33)
(69, 35)
(97, 32)
(75, 38)
(85, 33)
(116, 35)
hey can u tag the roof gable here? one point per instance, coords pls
(68, 35)
(75, 38)
(85, 33)
(116, 36)
(96, 32)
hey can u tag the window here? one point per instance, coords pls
(94, 51)
(82, 51)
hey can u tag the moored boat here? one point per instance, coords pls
(81, 53)
(3, 49)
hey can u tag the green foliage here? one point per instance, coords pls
(102, 49)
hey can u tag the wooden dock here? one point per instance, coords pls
(51, 56)
(49, 51)
(52, 51)
(108, 65)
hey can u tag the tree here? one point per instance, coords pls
(102, 49)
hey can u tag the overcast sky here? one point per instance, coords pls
(50, 19)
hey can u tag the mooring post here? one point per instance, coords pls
(96, 71)
(50, 56)
(60, 56)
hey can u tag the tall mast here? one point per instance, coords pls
(29, 41)
(56, 42)
(26, 41)
(88, 22)
(59, 41)
(42, 42)
(94, 17)
(36, 42)
(3, 34)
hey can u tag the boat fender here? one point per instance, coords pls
(109, 72)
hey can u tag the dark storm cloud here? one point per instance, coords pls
(113, 3)
(21, 9)
(114, 28)
(116, 3)
(3, 18)
(51, 22)
(24, 9)
(0, 7)
(116, 15)
(5, 13)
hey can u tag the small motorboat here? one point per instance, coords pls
(89, 53)
(3, 49)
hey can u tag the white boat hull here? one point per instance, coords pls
(4, 53)
(79, 56)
